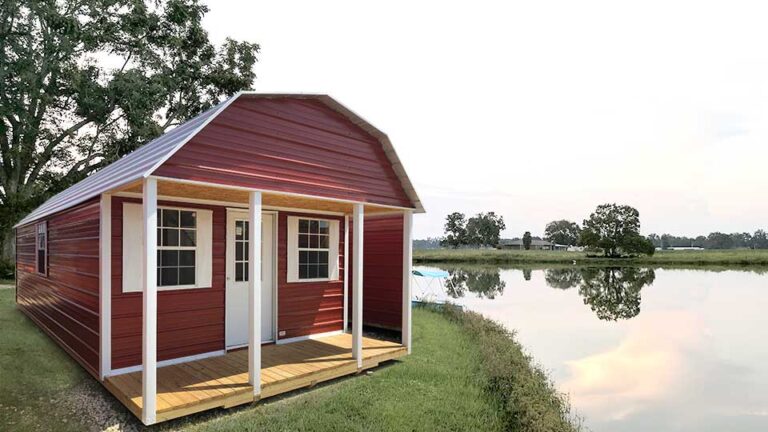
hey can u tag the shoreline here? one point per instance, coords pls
(714, 259)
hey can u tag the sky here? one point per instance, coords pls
(541, 110)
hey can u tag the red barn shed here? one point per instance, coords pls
(234, 258)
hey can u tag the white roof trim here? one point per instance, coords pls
(142, 162)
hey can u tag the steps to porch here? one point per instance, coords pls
(222, 381)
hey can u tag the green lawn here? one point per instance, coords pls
(439, 387)
(736, 257)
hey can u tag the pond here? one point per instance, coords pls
(636, 349)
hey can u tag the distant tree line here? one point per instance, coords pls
(715, 240)
(478, 231)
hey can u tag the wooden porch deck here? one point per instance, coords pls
(222, 381)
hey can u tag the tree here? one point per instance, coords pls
(562, 232)
(64, 115)
(527, 240)
(718, 240)
(484, 229)
(615, 229)
(760, 240)
(455, 230)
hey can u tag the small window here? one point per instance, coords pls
(314, 248)
(176, 247)
(41, 248)
(241, 251)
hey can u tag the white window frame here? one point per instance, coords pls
(293, 249)
(44, 232)
(133, 243)
(179, 248)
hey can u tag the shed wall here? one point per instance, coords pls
(65, 302)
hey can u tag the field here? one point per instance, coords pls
(735, 258)
(453, 381)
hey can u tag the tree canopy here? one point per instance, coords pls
(485, 229)
(455, 230)
(84, 82)
(563, 232)
(527, 240)
(615, 229)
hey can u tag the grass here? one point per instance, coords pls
(8, 283)
(736, 257)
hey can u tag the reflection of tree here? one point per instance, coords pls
(527, 274)
(614, 293)
(564, 278)
(483, 283)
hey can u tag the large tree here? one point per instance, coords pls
(484, 229)
(563, 232)
(615, 229)
(527, 240)
(455, 230)
(84, 82)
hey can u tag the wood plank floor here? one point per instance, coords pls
(222, 381)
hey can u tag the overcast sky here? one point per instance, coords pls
(541, 110)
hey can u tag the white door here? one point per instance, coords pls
(236, 328)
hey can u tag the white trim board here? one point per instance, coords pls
(309, 337)
(169, 362)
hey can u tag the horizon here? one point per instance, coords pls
(540, 115)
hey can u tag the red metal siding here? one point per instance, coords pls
(289, 145)
(189, 322)
(306, 308)
(65, 303)
(382, 271)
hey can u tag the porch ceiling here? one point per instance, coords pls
(167, 188)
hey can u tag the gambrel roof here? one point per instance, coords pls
(144, 161)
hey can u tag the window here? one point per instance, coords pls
(313, 253)
(184, 248)
(41, 248)
(241, 251)
(314, 239)
(176, 247)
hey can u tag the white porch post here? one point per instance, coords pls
(149, 341)
(407, 265)
(254, 292)
(345, 319)
(357, 286)
(105, 286)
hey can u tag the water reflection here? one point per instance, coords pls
(484, 283)
(613, 293)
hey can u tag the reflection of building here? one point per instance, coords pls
(536, 244)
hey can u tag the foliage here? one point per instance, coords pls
(715, 240)
(562, 278)
(455, 230)
(85, 82)
(484, 229)
(527, 240)
(562, 232)
(529, 400)
(615, 229)
(428, 243)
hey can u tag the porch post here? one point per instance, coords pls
(149, 341)
(407, 267)
(357, 286)
(345, 319)
(105, 286)
(254, 292)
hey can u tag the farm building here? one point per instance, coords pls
(236, 257)
(536, 244)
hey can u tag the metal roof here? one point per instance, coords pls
(142, 162)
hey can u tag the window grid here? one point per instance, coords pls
(314, 248)
(241, 250)
(41, 248)
(176, 247)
